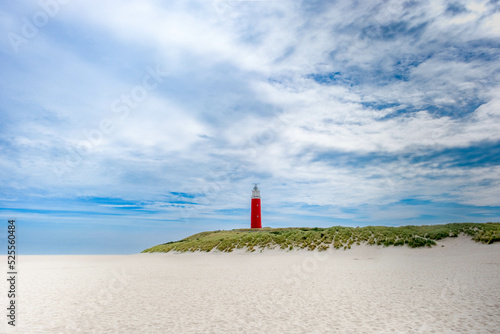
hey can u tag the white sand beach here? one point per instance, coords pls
(368, 289)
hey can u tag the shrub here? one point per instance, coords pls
(336, 236)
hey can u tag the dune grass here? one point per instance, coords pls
(337, 237)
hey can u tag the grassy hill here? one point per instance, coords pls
(324, 238)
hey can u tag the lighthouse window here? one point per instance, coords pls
(257, 204)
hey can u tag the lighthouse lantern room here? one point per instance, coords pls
(256, 219)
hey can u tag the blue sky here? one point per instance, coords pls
(128, 124)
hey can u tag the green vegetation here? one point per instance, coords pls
(323, 238)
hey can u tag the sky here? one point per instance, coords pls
(126, 124)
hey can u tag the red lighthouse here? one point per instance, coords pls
(256, 220)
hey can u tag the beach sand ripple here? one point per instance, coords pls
(368, 289)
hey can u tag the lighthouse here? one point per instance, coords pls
(256, 218)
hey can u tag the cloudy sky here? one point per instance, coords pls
(125, 124)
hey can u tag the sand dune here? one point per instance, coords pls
(368, 289)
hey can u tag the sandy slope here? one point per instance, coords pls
(451, 289)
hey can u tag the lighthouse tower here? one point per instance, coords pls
(256, 220)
